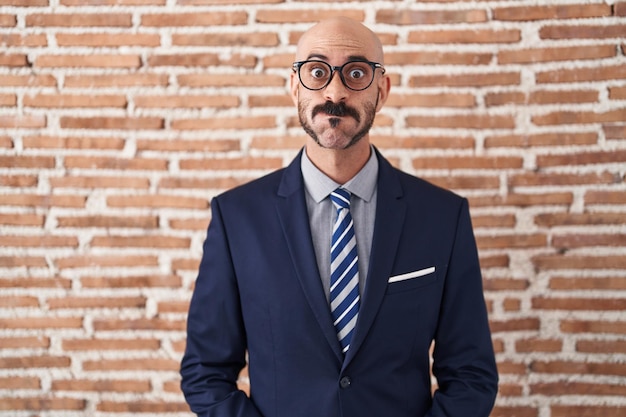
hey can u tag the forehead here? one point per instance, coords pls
(337, 42)
(337, 48)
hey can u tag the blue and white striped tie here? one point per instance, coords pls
(344, 272)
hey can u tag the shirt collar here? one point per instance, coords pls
(319, 185)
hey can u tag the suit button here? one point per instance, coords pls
(345, 382)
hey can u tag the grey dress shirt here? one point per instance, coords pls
(322, 213)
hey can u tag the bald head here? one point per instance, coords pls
(340, 34)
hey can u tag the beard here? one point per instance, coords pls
(340, 110)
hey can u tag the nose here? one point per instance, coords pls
(335, 91)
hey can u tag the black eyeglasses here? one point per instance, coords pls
(355, 75)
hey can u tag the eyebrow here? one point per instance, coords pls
(350, 58)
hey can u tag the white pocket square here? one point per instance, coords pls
(414, 274)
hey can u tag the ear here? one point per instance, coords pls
(384, 85)
(294, 84)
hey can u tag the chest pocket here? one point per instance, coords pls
(412, 280)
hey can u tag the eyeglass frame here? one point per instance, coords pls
(334, 68)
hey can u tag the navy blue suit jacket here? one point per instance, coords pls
(259, 299)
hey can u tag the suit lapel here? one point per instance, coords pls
(293, 214)
(390, 212)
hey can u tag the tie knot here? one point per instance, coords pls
(340, 198)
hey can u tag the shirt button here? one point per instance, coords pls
(345, 382)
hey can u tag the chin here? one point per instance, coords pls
(336, 142)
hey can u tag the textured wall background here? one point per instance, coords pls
(120, 119)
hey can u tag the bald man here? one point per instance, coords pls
(333, 277)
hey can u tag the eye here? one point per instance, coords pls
(318, 72)
(356, 73)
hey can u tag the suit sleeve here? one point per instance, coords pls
(463, 358)
(216, 343)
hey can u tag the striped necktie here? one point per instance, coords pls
(344, 273)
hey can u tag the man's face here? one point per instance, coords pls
(335, 125)
(336, 117)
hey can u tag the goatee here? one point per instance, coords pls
(339, 110)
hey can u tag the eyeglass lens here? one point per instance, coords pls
(357, 75)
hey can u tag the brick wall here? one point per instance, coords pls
(120, 119)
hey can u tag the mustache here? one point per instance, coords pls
(337, 109)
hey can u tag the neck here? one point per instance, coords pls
(340, 165)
